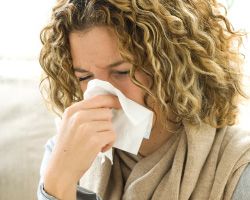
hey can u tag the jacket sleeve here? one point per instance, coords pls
(242, 191)
(82, 193)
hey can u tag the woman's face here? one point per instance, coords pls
(95, 55)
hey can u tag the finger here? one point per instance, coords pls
(95, 126)
(107, 140)
(100, 101)
(107, 147)
(99, 114)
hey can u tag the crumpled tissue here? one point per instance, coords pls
(132, 123)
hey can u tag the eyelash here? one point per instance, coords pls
(122, 73)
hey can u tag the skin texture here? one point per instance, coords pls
(86, 127)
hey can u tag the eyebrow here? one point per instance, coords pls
(115, 64)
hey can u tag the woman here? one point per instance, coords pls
(179, 59)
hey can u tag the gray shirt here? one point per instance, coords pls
(242, 191)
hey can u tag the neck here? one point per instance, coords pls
(157, 138)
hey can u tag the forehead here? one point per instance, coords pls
(97, 46)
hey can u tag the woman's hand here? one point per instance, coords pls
(85, 130)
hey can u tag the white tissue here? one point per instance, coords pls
(132, 123)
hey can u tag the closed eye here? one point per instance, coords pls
(84, 78)
(115, 72)
(122, 72)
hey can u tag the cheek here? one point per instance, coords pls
(132, 91)
(83, 87)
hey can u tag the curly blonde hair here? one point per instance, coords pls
(187, 47)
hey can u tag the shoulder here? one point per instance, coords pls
(236, 149)
(242, 189)
(237, 130)
(234, 138)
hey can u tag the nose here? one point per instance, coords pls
(102, 76)
(100, 73)
(105, 76)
